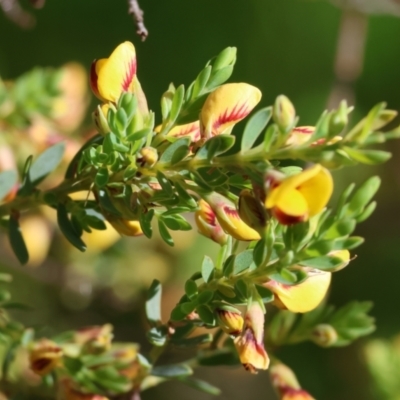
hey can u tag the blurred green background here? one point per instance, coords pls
(285, 46)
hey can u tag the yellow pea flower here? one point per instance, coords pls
(110, 77)
(301, 196)
(300, 135)
(191, 130)
(226, 106)
(44, 356)
(303, 297)
(250, 344)
(208, 225)
(228, 217)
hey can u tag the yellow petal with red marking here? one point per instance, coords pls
(226, 106)
(303, 297)
(112, 76)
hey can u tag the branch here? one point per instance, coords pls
(137, 14)
(13, 11)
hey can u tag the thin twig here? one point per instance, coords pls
(13, 11)
(137, 14)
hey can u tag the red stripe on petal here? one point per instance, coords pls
(93, 79)
(236, 114)
(130, 75)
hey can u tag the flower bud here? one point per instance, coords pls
(69, 391)
(250, 343)
(208, 225)
(284, 113)
(126, 227)
(324, 335)
(149, 156)
(230, 320)
(100, 118)
(339, 119)
(252, 212)
(300, 135)
(45, 356)
(228, 217)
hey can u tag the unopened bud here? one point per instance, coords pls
(126, 227)
(95, 338)
(339, 119)
(252, 212)
(230, 320)
(208, 225)
(284, 113)
(149, 156)
(342, 255)
(100, 118)
(324, 335)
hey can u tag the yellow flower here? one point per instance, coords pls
(95, 337)
(110, 77)
(226, 106)
(229, 218)
(250, 344)
(208, 225)
(230, 320)
(45, 356)
(126, 227)
(303, 297)
(300, 196)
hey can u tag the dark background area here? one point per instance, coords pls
(285, 46)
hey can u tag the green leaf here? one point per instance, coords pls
(341, 228)
(266, 295)
(201, 385)
(157, 336)
(8, 179)
(165, 184)
(68, 229)
(17, 240)
(370, 157)
(177, 102)
(153, 303)
(201, 81)
(326, 263)
(220, 76)
(145, 222)
(206, 315)
(259, 252)
(348, 243)
(138, 135)
(367, 212)
(243, 261)
(164, 233)
(172, 370)
(101, 178)
(205, 297)
(363, 196)
(207, 268)
(191, 289)
(215, 146)
(176, 222)
(255, 125)
(46, 163)
(178, 146)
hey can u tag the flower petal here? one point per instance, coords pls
(227, 105)
(116, 74)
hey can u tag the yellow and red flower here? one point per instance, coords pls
(228, 217)
(303, 297)
(250, 343)
(45, 356)
(109, 77)
(208, 225)
(226, 106)
(298, 197)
